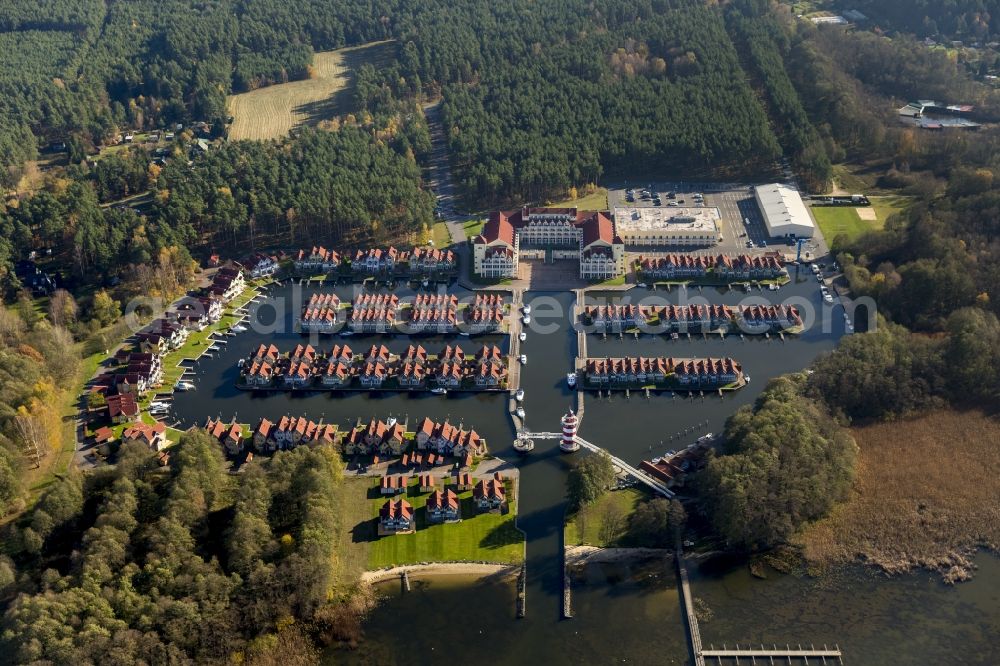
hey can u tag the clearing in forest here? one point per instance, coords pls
(853, 222)
(271, 112)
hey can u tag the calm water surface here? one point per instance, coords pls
(619, 619)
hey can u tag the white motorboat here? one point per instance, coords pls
(642, 285)
(747, 378)
(391, 421)
(523, 336)
(439, 391)
(571, 379)
(526, 319)
(827, 298)
(526, 309)
(346, 333)
(184, 386)
(519, 396)
(465, 333)
(520, 412)
(524, 359)
(773, 287)
(239, 328)
(524, 445)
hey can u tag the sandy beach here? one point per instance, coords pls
(586, 554)
(480, 569)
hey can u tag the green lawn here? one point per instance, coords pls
(583, 528)
(610, 282)
(473, 228)
(836, 220)
(886, 206)
(483, 537)
(596, 201)
(440, 235)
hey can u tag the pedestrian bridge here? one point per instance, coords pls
(652, 483)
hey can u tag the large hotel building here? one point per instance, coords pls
(588, 236)
(592, 237)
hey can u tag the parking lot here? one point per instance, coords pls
(736, 205)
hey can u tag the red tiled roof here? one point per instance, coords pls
(122, 405)
(498, 228)
(597, 227)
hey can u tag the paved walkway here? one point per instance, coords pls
(439, 176)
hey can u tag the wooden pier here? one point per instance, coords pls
(567, 611)
(824, 655)
(691, 620)
(522, 587)
(787, 653)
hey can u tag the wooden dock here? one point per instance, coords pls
(812, 654)
(691, 620)
(787, 653)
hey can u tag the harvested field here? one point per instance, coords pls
(273, 111)
(926, 496)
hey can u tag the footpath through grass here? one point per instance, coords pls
(485, 537)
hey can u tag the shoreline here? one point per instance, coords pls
(433, 569)
(581, 555)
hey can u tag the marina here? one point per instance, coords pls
(603, 603)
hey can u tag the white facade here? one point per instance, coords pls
(784, 213)
(493, 262)
(667, 227)
(548, 232)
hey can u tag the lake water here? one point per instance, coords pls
(618, 619)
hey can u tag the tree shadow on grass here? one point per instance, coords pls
(502, 535)
(341, 102)
(365, 531)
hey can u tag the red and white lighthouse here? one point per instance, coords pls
(569, 425)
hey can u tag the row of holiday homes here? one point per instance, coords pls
(725, 267)
(139, 367)
(306, 368)
(398, 515)
(377, 437)
(752, 318)
(374, 261)
(638, 370)
(371, 261)
(386, 313)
